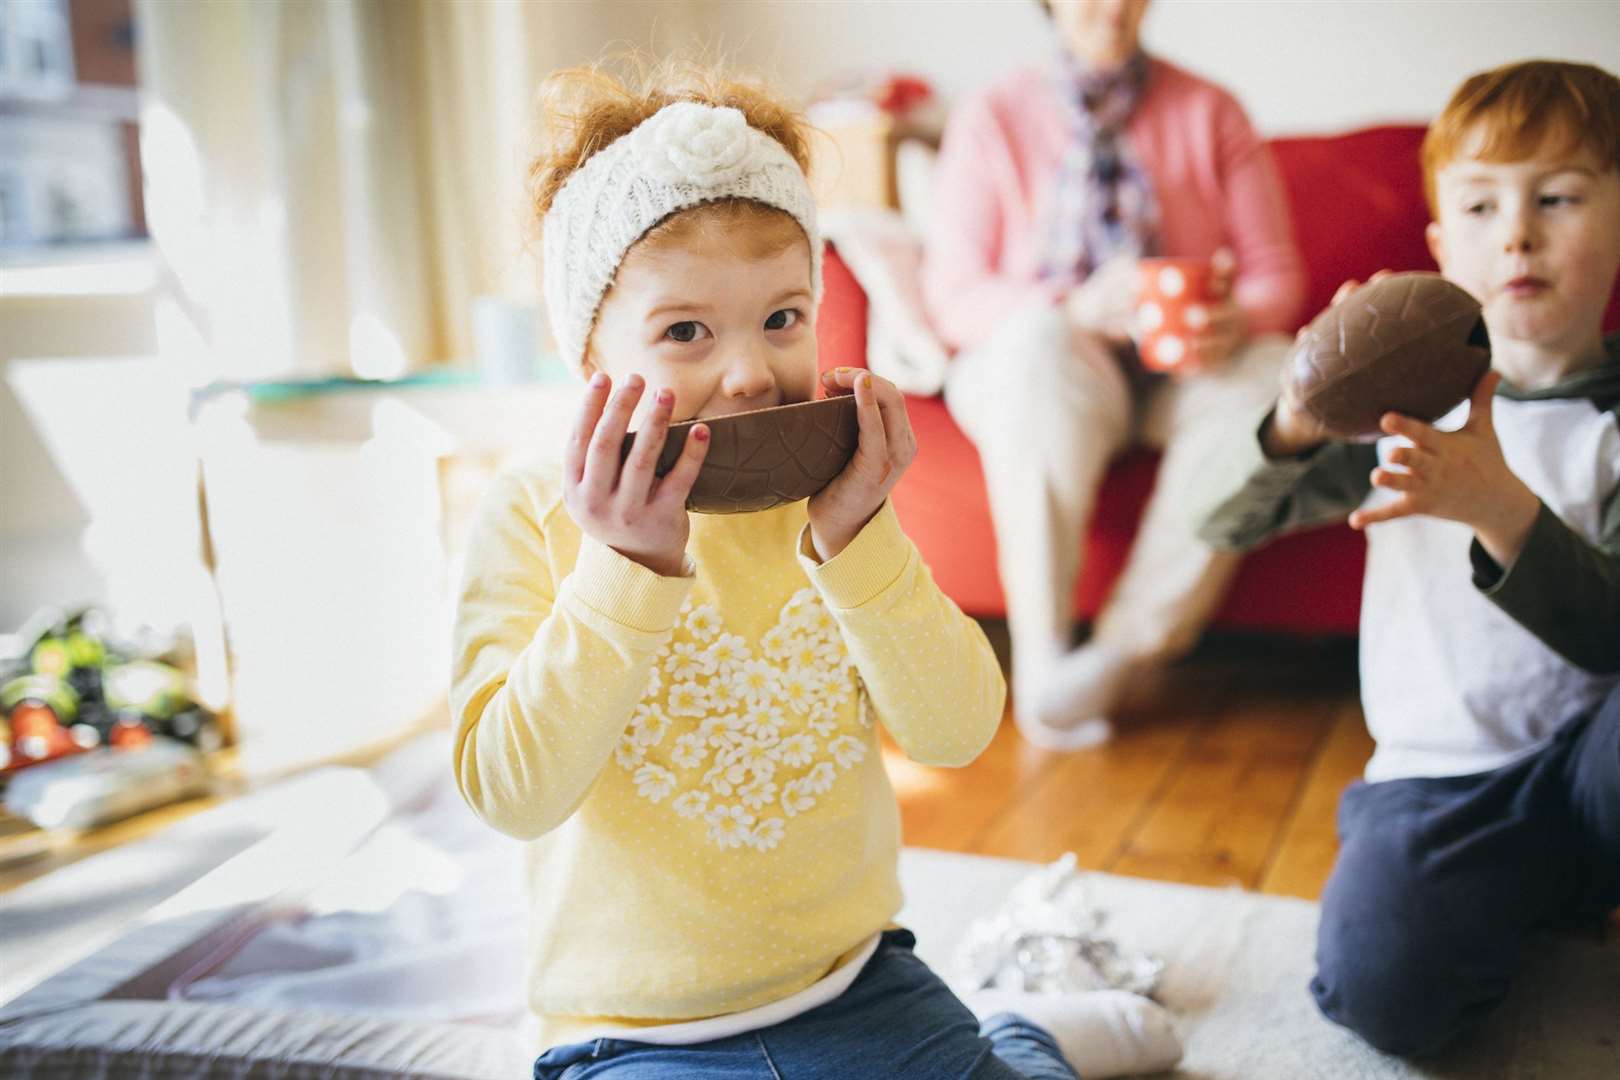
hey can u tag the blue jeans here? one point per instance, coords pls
(1441, 881)
(897, 1021)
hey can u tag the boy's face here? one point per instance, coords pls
(727, 330)
(1537, 242)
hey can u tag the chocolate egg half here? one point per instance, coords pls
(761, 459)
(1408, 343)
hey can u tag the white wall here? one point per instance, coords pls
(41, 519)
(1334, 65)
(1297, 65)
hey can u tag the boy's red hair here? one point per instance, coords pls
(1517, 108)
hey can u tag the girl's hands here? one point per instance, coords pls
(1460, 476)
(887, 447)
(630, 509)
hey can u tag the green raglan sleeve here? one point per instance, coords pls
(1562, 588)
(1247, 498)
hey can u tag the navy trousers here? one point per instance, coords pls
(897, 1021)
(1441, 882)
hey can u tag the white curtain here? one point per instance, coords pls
(332, 182)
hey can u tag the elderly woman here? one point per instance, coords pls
(1052, 184)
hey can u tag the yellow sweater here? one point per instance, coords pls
(693, 759)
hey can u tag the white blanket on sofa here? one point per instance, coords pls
(884, 256)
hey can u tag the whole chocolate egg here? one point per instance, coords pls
(767, 457)
(1408, 343)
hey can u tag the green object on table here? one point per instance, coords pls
(148, 687)
(292, 389)
(54, 692)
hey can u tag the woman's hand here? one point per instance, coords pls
(1460, 476)
(887, 447)
(630, 509)
(1105, 303)
(1210, 349)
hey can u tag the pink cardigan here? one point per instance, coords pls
(1213, 178)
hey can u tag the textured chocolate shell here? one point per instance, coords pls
(1409, 343)
(767, 457)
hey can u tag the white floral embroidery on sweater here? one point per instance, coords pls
(743, 742)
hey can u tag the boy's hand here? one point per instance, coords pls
(630, 509)
(1460, 476)
(1293, 431)
(839, 510)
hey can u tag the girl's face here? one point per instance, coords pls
(726, 328)
(1100, 33)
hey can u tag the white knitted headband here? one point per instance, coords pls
(684, 155)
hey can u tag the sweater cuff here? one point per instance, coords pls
(626, 592)
(872, 562)
(1501, 583)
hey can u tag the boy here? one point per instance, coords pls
(1490, 641)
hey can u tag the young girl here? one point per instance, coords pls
(679, 712)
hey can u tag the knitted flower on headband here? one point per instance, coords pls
(689, 143)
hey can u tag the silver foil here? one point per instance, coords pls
(1048, 939)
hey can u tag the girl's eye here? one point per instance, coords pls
(1476, 208)
(781, 320)
(1558, 200)
(685, 332)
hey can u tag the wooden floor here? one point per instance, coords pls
(1226, 769)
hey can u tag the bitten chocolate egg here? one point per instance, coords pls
(767, 457)
(1408, 343)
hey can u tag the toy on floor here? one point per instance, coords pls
(73, 690)
(1408, 343)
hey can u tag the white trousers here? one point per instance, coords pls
(1048, 408)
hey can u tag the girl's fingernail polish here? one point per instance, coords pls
(701, 434)
(665, 397)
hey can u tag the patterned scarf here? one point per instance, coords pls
(1103, 202)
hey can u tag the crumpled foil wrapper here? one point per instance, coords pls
(1047, 939)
